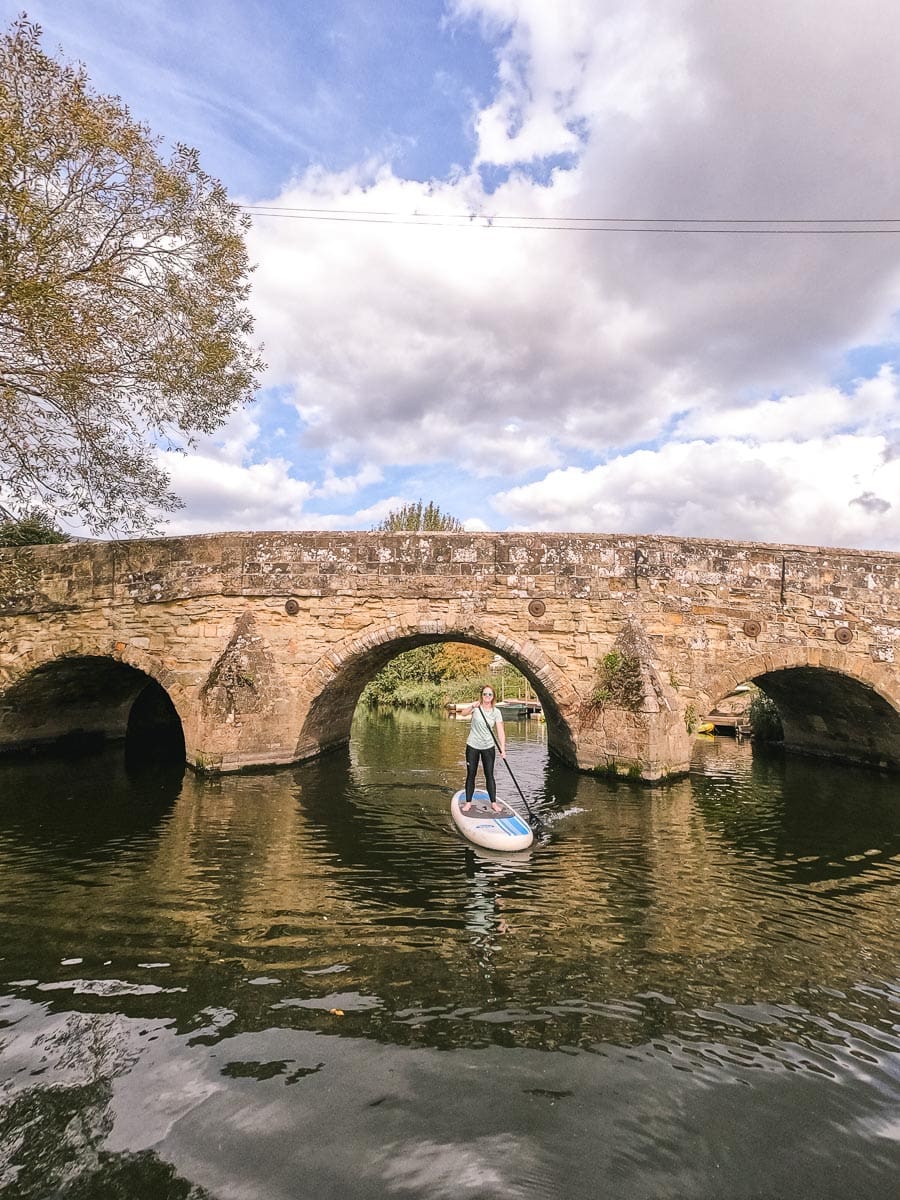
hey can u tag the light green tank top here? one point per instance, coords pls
(479, 735)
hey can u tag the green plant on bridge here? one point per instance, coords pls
(619, 682)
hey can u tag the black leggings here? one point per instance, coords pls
(487, 761)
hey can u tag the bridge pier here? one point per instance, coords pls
(644, 746)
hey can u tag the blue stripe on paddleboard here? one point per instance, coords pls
(514, 826)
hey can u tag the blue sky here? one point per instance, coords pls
(738, 383)
(264, 90)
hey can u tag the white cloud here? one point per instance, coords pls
(408, 345)
(220, 495)
(560, 70)
(416, 344)
(831, 491)
(348, 485)
(873, 406)
(233, 441)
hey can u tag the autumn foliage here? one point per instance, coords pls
(123, 285)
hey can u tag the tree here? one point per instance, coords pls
(462, 660)
(123, 288)
(419, 678)
(418, 517)
(33, 528)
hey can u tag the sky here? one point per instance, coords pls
(441, 322)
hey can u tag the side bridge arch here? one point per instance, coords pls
(82, 690)
(832, 703)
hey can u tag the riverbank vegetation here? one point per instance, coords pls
(431, 677)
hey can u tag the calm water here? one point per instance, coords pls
(301, 984)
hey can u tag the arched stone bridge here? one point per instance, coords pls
(263, 642)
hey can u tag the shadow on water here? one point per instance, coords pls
(68, 1124)
(103, 802)
(815, 822)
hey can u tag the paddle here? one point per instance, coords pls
(536, 823)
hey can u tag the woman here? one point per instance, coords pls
(480, 745)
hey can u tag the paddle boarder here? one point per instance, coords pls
(480, 746)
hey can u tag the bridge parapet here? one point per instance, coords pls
(157, 570)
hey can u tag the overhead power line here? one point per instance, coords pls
(670, 225)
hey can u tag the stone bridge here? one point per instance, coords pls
(256, 647)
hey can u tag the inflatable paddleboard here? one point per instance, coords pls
(504, 830)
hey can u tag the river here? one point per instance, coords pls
(301, 983)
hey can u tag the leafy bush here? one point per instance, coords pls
(419, 517)
(765, 719)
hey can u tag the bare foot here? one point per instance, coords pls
(465, 807)
(497, 807)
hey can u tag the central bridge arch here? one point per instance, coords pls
(334, 685)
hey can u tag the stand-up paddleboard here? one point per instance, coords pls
(504, 830)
